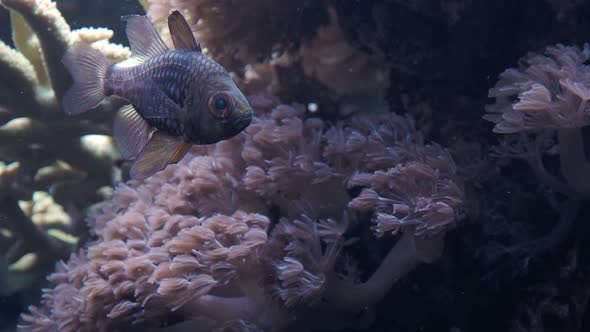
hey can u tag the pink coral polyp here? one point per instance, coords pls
(195, 237)
(546, 92)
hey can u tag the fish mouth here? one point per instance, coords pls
(242, 123)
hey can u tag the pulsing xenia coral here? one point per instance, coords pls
(544, 103)
(548, 94)
(251, 233)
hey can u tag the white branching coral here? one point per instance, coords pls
(42, 36)
(252, 232)
(69, 158)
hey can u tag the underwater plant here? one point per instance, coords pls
(54, 167)
(261, 232)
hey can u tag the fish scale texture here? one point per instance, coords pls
(175, 74)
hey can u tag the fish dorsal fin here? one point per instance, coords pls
(144, 40)
(161, 150)
(181, 33)
(131, 132)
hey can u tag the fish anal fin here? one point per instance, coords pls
(144, 40)
(156, 155)
(131, 132)
(181, 33)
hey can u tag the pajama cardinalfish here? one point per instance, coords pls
(176, 97)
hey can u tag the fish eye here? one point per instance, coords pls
(219, 105)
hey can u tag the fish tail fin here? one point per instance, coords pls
(88, 68)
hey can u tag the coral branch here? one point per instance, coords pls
(18, 79)
(53, 33)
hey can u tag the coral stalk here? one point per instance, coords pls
(352, 297)
(224, 308)
(574, 166)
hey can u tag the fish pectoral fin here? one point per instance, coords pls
(154, 103)
(181, 33)
(131, 132)
(180, 153)
(144, 40)
(161, 150)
